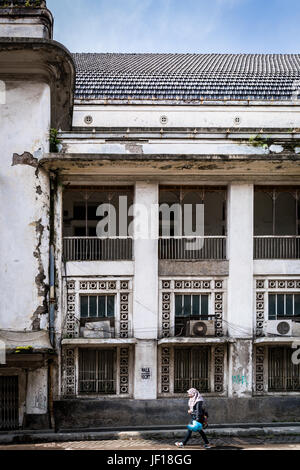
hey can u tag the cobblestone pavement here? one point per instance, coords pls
(284, 443)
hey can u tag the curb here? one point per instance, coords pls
(32, 438)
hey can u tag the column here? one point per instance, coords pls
(145, 296)
(240, 288)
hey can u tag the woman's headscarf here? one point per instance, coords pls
(195, 398)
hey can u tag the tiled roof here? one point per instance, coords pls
(187, 77)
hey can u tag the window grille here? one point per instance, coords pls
(191, 369)
(97, 372)
(283, 375)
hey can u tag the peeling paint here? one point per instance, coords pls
(39, 190)
(40, 279)
(25, 159)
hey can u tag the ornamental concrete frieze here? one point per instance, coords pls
(120, 288)
(266, 286)
(167, 369)
(214, 288)
(70, 366)
(69, 372)
(259, 370)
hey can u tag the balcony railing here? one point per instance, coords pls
(192, 248)
(97, 249)
(277, 247)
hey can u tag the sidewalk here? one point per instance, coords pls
(267, 431)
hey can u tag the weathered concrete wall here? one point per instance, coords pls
(193, 268)
(73, 414)
(188, 116)
(24, 212)
(23, 28)
(36, 402)
(100, 268)
(276, 267)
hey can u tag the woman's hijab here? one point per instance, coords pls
(195, 398)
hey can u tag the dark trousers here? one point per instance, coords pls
(189, 433)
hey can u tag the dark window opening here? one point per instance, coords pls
(276, 211)
(97, 371)
(191, 369)
(97, 306)
(284, 306)
(283, 374)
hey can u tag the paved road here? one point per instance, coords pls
(284, 443)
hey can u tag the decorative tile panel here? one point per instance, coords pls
(259, 369)
(96, 287)
(68, 373)
(124, 371)
(170, 287)
(165, 370)
(265, 286)
(219, 368)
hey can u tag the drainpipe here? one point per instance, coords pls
(52, 300)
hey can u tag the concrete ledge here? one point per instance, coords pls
(35, 438)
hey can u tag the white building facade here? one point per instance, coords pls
(142, 320)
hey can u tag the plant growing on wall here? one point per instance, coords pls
(258, 141)
(55, 142)
(22, 3)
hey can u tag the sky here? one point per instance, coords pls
(182, 26)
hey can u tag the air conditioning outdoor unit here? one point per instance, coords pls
(201, 328)
(97, 330)
(279, 327)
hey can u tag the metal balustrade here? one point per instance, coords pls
(97, 249)
(276, 247)
(192, 248)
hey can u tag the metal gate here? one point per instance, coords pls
(97, 371)
(9, 403)
(284, 376)
(191, 369)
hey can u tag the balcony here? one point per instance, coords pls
(276, 247)
(192, 248)
(97, 249)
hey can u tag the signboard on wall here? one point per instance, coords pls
(146, 373)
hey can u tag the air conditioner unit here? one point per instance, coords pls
(200, 328)
(279, 327)
(97, 330)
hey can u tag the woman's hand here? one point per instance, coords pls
(190, 412)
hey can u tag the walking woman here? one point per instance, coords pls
(196, 412)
